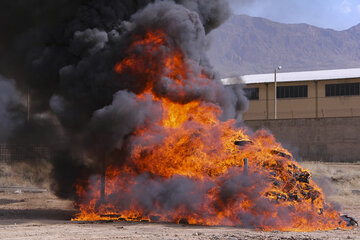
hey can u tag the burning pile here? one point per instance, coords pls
(140, 124)
(188, 165)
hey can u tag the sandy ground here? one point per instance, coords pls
(28, 213)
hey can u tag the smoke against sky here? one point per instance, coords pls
(334, 14)
(10, 108)
(66, 63)
(137, 121)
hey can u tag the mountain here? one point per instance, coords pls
(249, 45)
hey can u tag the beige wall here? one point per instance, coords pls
(315, 105)
(346, 106)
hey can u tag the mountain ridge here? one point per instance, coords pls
(253, 45)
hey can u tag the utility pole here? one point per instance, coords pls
(275, 96)
(28, 104)
(103, 178)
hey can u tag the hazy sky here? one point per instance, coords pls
(335, 14)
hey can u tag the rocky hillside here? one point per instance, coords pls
(247, 45)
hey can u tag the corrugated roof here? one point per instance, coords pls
(295, 76)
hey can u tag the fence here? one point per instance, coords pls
(17, 152)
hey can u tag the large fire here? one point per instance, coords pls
(190, 145)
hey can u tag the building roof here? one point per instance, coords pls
(295, 76)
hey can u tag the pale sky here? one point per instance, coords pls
(334, 14)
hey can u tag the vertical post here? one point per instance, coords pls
(28, 104)
(275, 93)
(267, 101)
(102, 184)
(275, 96)
(316, 100)
(246, 166)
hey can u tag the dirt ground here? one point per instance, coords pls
(34, 213)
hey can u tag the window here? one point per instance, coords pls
(252, 93)
(292, 92)
(344, 89)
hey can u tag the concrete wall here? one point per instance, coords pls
(316, 139)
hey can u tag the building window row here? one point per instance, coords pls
(292, 92)
(252, 93)
(344, 89)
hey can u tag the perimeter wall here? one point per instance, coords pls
(316, 139)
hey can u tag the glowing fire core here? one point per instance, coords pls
(188, 149)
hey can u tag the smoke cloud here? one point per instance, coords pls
(11, 108)
(124, 89)
(65, 51)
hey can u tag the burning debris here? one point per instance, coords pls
(143, 129)
(351, 222)
(243, 142)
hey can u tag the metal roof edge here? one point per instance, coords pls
(318, 75)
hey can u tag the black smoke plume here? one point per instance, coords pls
(63, 53)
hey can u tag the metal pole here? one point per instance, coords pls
(102, 182)
(316, 100)
(275, 99)
(267, 101)
(28, 104)
(246, 165)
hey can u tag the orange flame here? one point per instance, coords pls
(273, 193)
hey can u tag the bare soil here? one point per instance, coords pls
(35, 213)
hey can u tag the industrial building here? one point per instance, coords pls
(312, 94)
(317, 112)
